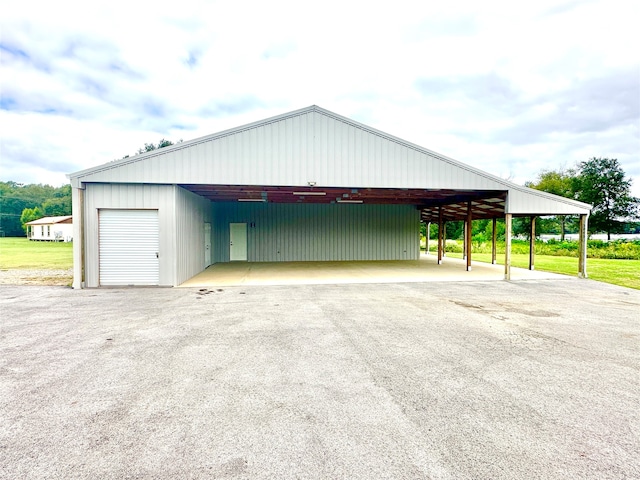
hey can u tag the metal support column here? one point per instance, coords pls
(467, 233)
(77, 209)
(532, 243)
(507, 246)
(464, 240)
(440, 235)
(582, 252)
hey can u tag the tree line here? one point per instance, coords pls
(600, 182)
(22, 203)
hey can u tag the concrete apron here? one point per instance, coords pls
(313, 273)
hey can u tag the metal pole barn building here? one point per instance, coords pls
(305, 185)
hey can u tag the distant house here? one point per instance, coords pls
(51, 229)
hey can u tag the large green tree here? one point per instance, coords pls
(559, 182)
(29, 215)
(603, 183)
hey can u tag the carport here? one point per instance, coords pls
(305, 186)
(437, 206)
(426, 269)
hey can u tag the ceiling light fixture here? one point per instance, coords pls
(252, 200)
(309, 193)
(340, 200)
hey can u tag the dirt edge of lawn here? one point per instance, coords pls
(48, 277)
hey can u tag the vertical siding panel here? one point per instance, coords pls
(261, 139)
(216, 158)
(240, 147)
(302, 158)
(182, 165)
(207, 164)
(263, 154)
(320, 146)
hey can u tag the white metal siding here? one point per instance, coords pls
(314, 232)
(540, 203)
(191, 212)
(129, 243)
(310, 145)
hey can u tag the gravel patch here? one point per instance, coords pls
(49, 277)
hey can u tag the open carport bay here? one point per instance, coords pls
(529, 379)
(426, 269)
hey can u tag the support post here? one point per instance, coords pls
(507, 246)
(494, 236)
(440, 235)
(77, 210)
(582, 253)
(464, 240)
(468, 236)
(532, 243)
(428, 236)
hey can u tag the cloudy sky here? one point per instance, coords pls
(510, 87)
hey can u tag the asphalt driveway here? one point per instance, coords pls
(530, 379)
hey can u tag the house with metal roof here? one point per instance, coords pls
(51, 229)
(306, 185)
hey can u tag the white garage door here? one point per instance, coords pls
(129, 247)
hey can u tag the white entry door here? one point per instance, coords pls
(129, 243)
(207, 245)
(238, 242)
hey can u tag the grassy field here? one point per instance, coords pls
(625, 273)
(20, 253)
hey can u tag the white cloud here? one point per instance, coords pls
(510, 87)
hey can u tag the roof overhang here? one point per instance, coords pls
(453, 203)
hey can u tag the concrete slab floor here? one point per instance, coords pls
(318, 273)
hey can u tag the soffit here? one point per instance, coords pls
(452, 203)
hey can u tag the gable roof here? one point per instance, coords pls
(51, 220)
(315, 146)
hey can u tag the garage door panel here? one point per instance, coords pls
(129, 246)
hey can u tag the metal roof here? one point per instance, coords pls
(313, 148)
(51, 220)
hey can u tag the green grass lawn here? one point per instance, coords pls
(20, 253)
(625, 273)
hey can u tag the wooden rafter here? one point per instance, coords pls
(484, 203)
